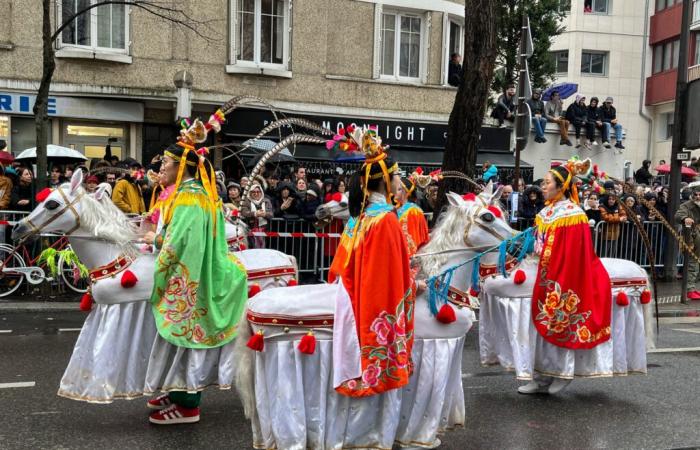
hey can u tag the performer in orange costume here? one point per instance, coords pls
(372, 262)
(411, 217)
(571, 307)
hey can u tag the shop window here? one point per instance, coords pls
(104, 28)
(98, 151)
(4, 131)
(596, 6)
(95, 131)
(401, 44)
(561, 61)
(261, 35)
(594, 63)
(666, 56)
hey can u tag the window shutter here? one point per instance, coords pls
(288, 37)
(445, 45)
(233, 29)
(376, 64)
(425, 41)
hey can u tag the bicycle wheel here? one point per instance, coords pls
(10, 281)
(71, 277)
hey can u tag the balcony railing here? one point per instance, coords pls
(694, 73)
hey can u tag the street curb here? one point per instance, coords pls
(679, 313)
(7, 307)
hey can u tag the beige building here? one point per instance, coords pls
(604, 50)
(337, 61)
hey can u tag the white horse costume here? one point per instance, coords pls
(118, 353)
(507, 335)
(290, 397)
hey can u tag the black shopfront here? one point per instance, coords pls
(412, 144)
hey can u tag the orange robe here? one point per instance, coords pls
(572, 301)
(375, 273)
(414, 226)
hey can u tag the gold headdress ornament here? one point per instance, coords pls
(194, 133)
(574, 168)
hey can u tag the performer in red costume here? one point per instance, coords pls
(571, 302)
(372, 263)
(411, 217)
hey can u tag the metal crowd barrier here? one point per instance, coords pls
(623, 241)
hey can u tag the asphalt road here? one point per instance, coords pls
(659, 410)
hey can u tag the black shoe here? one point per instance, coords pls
(619, 145)
(562, 141)
(606, 144)
(568, 142)
(543, 140)
(537, 139)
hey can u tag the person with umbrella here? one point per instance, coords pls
(553, 111)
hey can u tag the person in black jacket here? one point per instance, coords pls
(22, 198)
(287, 201)
(531, 202)
(577, 115)
(595, 120)
(642, 175)
(539, 121)
(610, 121)
(505, 108)
(454, 70)
(310, 204)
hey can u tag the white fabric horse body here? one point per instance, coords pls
(507, 335)
(290, 396)
(117, 346)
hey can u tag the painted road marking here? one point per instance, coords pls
(687, 330)
(17, 385)
(69, 329)
(674, 350)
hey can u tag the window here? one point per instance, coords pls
(104, 27)
(663, 4)
(260, 34)
(594, 63)
(668, 119)
(596, 6)
(400, 46)
(454, 43)
(696, 60)
(666, 56)
(561, 61)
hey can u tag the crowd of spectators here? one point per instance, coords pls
(586, 119)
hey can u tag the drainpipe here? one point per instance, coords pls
(642, 89)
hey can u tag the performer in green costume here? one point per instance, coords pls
(200, 290)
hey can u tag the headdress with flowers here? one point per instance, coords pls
(576, 170)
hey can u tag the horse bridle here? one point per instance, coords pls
(474, 220)
(69, 205)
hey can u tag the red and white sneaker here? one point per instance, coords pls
(160, 402)
(174, 414)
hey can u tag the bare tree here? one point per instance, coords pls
(162, 10)
(464, 126)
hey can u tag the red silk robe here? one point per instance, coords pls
(375, 272)
(414, 226)
(572, 300)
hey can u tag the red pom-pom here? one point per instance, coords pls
(341, 132)
(519, 277)
(446, 314)
(242, 247)
(419, 170)
(308, 344)
(256, 342)
(622, 299)
(129, 280)
(86, 302)
(473, 292)
(234, 213)
(645, 297)
(42, 194)
(469, 197)
(495, 211)
(292, 282)
(351, 128)
(338, 197)
(253, 290)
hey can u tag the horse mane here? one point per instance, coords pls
(443, 238)
(105, 221)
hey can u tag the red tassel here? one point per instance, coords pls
(256, 342)
(469, 197)
(129, 280)
(86, 302)
(42, 194)
(519, 277)
(495, 211)
(446, 314)
(292, 282)
(308, 344)
(473, 292)
(646, 297)
(622, 299)
(253, 290)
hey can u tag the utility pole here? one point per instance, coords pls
(679, 138)
(522, 116)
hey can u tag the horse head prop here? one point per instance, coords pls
(336, 208)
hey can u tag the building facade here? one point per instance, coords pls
(604, 50)
(126, 75)
(664, 38)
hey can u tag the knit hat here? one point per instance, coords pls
(608, 100)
